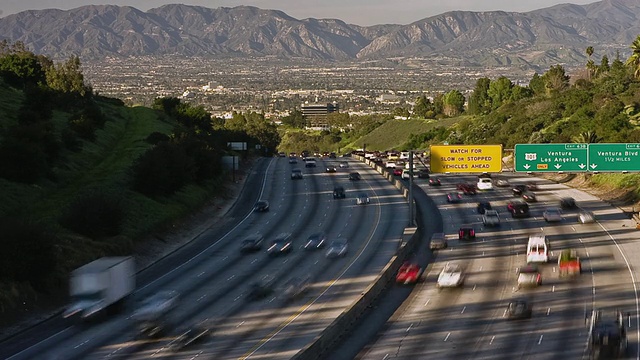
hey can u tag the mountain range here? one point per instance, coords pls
(558, 34)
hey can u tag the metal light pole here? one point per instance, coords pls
(411, 210)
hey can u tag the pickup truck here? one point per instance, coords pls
(569, 263)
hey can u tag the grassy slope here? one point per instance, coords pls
(394, 133)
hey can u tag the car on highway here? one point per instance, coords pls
(467, 189)
(529, 276)
(528, 196)
(467, 233)
(339, 193)
(518, 209)
(491, 218)
(484, 184)
(316, 241)
(309, 162)
(568, 203)
(409, 273)
(532, 186)
(344, 164)
(502, 183)
(519, 309)
(252, 243)
(406, 175)
(296, 287)
(293, 160)
(552, 215)
(390, 165)
(452, 275)
(151, 314)
(259, 290)
(362, 199)
(281, 244)
(518, 189)
(423, 174)
(337, 248)
(282, 154)
(434, 181)
(454, 197)
(194, 334)
(331, 169)
(438, 241)
(483, 206)
(261, 206)
(586, 217)
(296, 174)
(397, 172)
(354, 176)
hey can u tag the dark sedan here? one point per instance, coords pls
(261, 206)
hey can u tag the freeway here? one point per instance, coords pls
(214, 284)
(470, 323)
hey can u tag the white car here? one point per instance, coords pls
(344, 164)
(390, 165)
(362, 199)
(406, 176)
(451, 276)
(552, 215)
(586, 217)
(502, 183)
(484, 184)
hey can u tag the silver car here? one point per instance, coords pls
(552, 215)
(337, 248)
(586, 217)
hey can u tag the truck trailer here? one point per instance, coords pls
(99, 286)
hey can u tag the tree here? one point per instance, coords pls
(480, 102)
(536, 84)
(555, 80)
(500, 91)
(453, 103)
(587, 137)
(634, 60)
(604, 65)
(422, 107)
(590, 64)
(295, 119)
(67, 77)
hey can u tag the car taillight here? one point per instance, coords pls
(461, 234)
(473, 233)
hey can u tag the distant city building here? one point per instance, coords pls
(316, 115)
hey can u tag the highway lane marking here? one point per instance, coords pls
(548, 311)
(447, 337)
(491, 341)
(463, 309)
(474, 287)
(409, 328)
(540, 341)
(553, 288)
(242, 323)
(202, 273)
(230, 277)
(202, 297)
(254, 260)
(427, 303)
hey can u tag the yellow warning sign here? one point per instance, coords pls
(466, 158)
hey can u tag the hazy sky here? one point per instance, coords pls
(360, 12)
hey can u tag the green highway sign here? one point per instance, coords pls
(551, 157)
(614, 157)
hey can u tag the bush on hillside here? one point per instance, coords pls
(70, 140)
(156, 137)
(95, 215)
(163, 170)
(22, 161)
(28, 251)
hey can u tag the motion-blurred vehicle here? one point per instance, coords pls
(337, 248)
(406, 175)
(315, 241)
(552, 215)
(518, 189)
(586, 217)
(569, 263)
(282, 154)
(261, 206)
(438, 241)
(195, 334)
(518, 209)
(296, 287)
(423, 174)
(252, 243)
(344, 164)
(608, 335)
(100, 286)
(502, 183)
(309, 162)
(152, 314)
(491, 218)
(434, 181)
(339, 193)
(397, 172)
(296, 174)
(568, 203)
(467, 189)
(483, 206)
(519, 309)
(484, 184)
(454, 197)
(280, 245)
(293, 160)
(362, 199)
(532, 186)
(331, 169)
(451, 275)
(529, 276)
(409, 273)
(259, 290)
(354, 176)
(529, 196)
(537, 249)
(466, 233)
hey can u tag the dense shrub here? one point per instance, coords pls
(163, 170)
(95, 215)
(156, 137)
(22, 161)
(70, 140)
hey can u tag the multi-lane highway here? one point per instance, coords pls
(470, 322)
(215, 279)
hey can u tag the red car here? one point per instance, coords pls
(468, 189)
(397, 172)
(408, 273)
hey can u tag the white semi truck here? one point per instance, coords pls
(100, 285)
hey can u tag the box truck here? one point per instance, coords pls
(99, 286)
